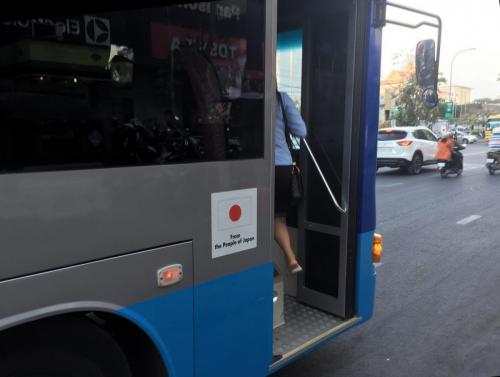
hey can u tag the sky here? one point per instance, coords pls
(466, 24)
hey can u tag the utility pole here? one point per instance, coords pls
(451, 75)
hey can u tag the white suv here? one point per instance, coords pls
(467, 138)
(407, 148)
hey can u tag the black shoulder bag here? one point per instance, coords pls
(296, 186)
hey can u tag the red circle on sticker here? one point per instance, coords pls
(235, 212)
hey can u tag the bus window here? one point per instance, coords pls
(289, 70)
(289, 64)
(146, 86)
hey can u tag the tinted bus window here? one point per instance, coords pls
(171, 84)
(391, 135)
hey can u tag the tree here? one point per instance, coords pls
(471, 119)
(411, 110)
(442, 106)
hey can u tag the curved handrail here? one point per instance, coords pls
(335, 202)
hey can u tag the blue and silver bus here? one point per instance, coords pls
(137, 184)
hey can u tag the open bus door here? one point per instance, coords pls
(316, 66)
(328, 61)
(328, 93)
(321, 50)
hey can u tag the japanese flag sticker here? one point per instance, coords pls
(234, 221)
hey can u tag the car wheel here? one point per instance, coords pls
(416, 164)
(491, 170)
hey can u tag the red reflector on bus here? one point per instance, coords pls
(169, 275)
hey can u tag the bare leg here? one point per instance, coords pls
(283, 239)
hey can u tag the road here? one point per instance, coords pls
(438, 288)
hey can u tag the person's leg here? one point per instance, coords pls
(283, 239)
(460, 160)
(457, 160)
(453, 164)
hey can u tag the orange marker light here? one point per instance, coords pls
(169, 275)
(405, 143)
(377, 248)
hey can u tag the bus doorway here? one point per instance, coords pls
(316, 65)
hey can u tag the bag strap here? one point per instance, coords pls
(285, 121)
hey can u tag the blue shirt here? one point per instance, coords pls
(295, 124)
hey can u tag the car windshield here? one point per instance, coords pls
(386, 135)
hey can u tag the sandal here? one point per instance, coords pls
(295, 268)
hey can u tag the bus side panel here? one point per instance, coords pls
(233, 324)
(125, 285)
(168, 320)
(370, 128)
(365, 272)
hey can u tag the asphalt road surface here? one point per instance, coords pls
(437, 310)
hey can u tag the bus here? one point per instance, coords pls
(492, 122)
(137, 180)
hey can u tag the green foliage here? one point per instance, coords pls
(411, 110)
(471, 119)
(442, 107)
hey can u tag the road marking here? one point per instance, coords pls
(378, 264)
(391, 185)
(473, 166)
(468, 219)
(474, 154)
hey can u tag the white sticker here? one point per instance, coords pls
(234, 221)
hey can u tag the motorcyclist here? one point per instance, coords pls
(448, 151)
(456, 156)
(445, 148)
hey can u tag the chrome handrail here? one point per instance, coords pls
(335, 203)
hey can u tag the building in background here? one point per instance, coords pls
(389, 88)
(460, 95)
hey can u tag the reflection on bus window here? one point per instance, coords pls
(289, 64)
(289, 69)
(161, 85)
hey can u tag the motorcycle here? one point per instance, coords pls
(493, 161)
(453, 166)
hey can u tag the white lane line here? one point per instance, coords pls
(391, 185)
(473, 166)
(475, 154)
(468, 219)
(378, 264)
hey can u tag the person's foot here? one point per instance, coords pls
(294, 268)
